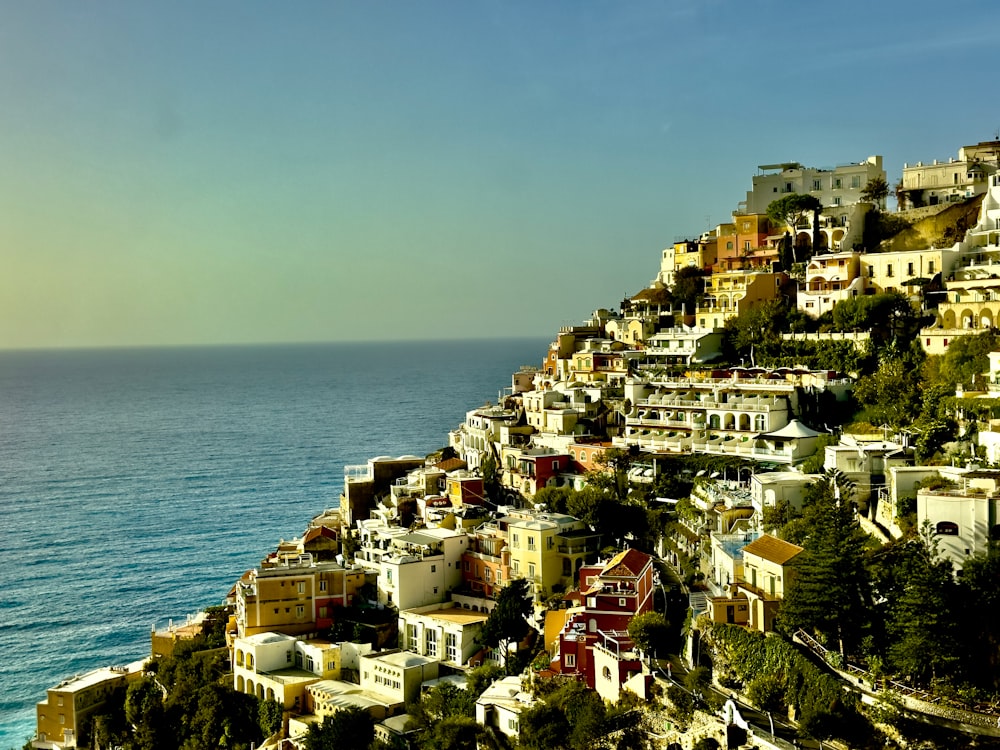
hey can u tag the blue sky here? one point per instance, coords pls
(235, 172)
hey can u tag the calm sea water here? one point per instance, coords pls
(138, 485)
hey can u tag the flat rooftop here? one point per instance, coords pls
(457, 615)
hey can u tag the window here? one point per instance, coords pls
(837, 184)
(516, 541)
(531, 570)
(909, 269)
(570, 660)
(432, 643)
(746, 245)
(322, 585)
(302, 587)
(836, 201)
(930, 264)
(451, 646)
(888, 270)
(499, 577)
(531, 542)
(288, 657)
(300, 611)
(489, 575)
(467, 566)
(622, 602)
(434, 568)
(856, 181)
(729, 245)
(606, 673)
(411, 636)
(816, 185)
(947, 528)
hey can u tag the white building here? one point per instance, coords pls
(421, 567)
(952, 180)
(501, 704)
(397, 675)
(445, 632)
(279, 667)
(836, 188)
(964, 518)
(684, 345)
(771, 488)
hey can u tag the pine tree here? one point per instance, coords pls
(830, 592)
(923, 619)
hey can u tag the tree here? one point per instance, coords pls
(270, 716)
(756, 333)
(966, 360)
(891, 395)
(648, 631)
(876, 190)
(350, 728)
(830, 592)
(688, 288)
(543, 727)
(791, 210)
(980, 589)
(452, 733)
(924, 631)
(508, 621)
(492, 487)
(612, 477)
(144, 710)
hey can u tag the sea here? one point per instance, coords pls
(137, 485)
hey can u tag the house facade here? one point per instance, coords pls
(294, 596)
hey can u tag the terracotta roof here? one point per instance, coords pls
(773, 549)
(318, 531)
(627, 563)
(451, 464)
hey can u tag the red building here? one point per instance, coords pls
(613, 593)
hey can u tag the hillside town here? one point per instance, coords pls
(755, 504)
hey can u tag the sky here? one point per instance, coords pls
(187, 173)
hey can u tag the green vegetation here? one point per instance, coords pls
(650, 632)
(793, 210)
(776, 676)
(187, 702)
(507, 622)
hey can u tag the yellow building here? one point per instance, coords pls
(62, 715)
(279, 667)
(732, 293)
(890, 272)
(768, 567)
(293, 597)
(548, 549)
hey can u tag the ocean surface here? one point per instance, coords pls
(136, 485)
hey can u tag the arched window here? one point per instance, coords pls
(606, 673)
(948, 528)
